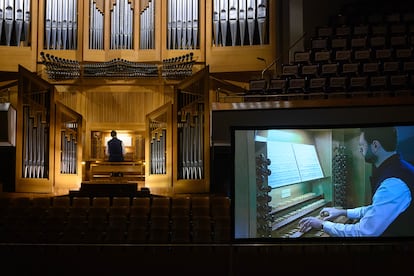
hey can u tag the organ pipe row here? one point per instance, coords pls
(96, 26)
(68, 152)
(14, 22)
(178, 67)
(183, 24)
(35, 144)
(65, 69)
(147, 26)
(158, 148)
(122, 18)
(61, 24)
(235, 22)
(233, 19)
(191, 136)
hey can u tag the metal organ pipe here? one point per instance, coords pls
(60, 24)
(251, 19)
(122, 14)
(35, 144)
(182, 22)
(96, 23)
(232, 19)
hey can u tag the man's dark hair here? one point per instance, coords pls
(113, 133)
(387, 136)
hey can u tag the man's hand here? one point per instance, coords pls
(307, 223)
(330, 213)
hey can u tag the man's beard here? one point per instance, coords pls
(370, 157)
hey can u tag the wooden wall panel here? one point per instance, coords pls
(120, 107)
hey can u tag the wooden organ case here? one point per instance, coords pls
(48, 150)
(177, 140)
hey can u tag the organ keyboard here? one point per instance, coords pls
(287, 215)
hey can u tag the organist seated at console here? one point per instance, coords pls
(115, 149)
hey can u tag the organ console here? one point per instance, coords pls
(287, 216)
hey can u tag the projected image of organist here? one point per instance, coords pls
(311, 183)
(391, 212)
(115, 149)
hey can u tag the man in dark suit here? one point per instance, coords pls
(115, 148)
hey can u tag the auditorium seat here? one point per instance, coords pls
(101, 202)
(222, 229)
(61, 201)
(201, 229)
(277, 86)
(361, 29)
(54, 224)
(324, 31)
(81, 202)
(220, 206)
(115, 232)
(20, 202)
(180, 229)
(320, 43)
(121, 201)
(378, 42)
(97, 221)
(302, 57)
(159, 229)
(139, 211)
(317, 84)
(257, 86)
(322, 57)
(118, 212)
(330, 69)
(43, 202)
(339, 43)
(338, 84)
(136, 235)
(403, 53)
(74, 231)
(141, 201)
(378, 83)
(180, 207)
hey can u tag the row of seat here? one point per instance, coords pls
(369, 68)
(373, 42)
(343, 83)
(365, 29)
(137, 220)
(356, 15)
(320, 57)
(106, 201)
(361, 57)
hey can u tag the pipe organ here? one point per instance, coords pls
(145, 31)
(159, 45)
(61, 24)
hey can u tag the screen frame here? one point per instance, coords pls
(226, 122)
